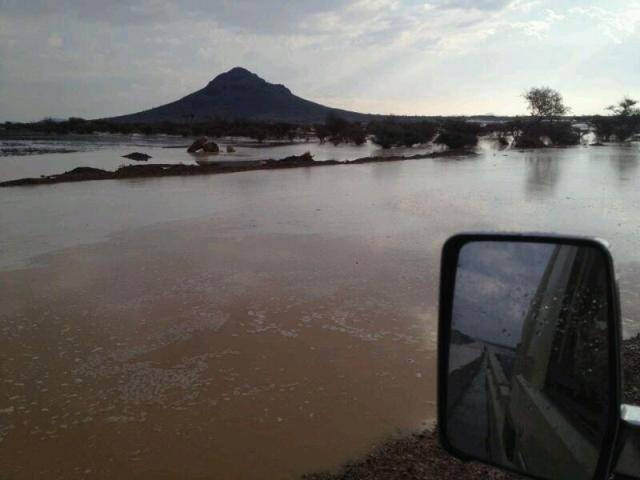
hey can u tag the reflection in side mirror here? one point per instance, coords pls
(530, 379)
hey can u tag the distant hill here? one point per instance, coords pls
(240, 94)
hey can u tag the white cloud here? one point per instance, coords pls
(482, 5)
(551, 15)
(524, 6)
(533, 28)
(616, 24)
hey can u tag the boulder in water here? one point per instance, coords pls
(211, 147)
(197, 145)
(230, 149)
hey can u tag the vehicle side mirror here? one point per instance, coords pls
(529, 354)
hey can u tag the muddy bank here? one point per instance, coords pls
(81, 174)
(420, 456)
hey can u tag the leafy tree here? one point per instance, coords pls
(336, 125)
(545, 103)
(604, 127)
(356, 133)
(624, 122)
(625, 107)
(561, 133)
(339, 130)
(386, 133)
(321, 132)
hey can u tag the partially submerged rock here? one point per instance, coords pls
(137, 156)
(204, 144)
(230, 149)
(197, 145)
(211, 147)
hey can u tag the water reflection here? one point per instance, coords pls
(543, 173)
(625, 165)
(386, 172)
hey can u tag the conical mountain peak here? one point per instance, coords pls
(238, 94)
(235, 76)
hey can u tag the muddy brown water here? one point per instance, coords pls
(245, 358)
(260, 324)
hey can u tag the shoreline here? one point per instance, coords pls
(80, 174)
(419, 456)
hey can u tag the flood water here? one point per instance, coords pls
(48, 155)
(259, 324)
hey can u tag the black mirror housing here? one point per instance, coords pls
(529, 362)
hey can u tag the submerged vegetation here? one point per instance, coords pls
(392, 133)
(457, 134)
(533, 133)
(339, 130)
(622, 124)
(546, 107)
(546, 125)
(213, 128)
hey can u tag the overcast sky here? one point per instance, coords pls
(495, 284)
(94, 58)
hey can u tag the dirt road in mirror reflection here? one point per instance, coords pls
(190, 351)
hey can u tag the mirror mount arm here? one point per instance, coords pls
(627, 455)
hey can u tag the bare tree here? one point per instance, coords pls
(545, 103)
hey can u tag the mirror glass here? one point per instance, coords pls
(528, 361)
